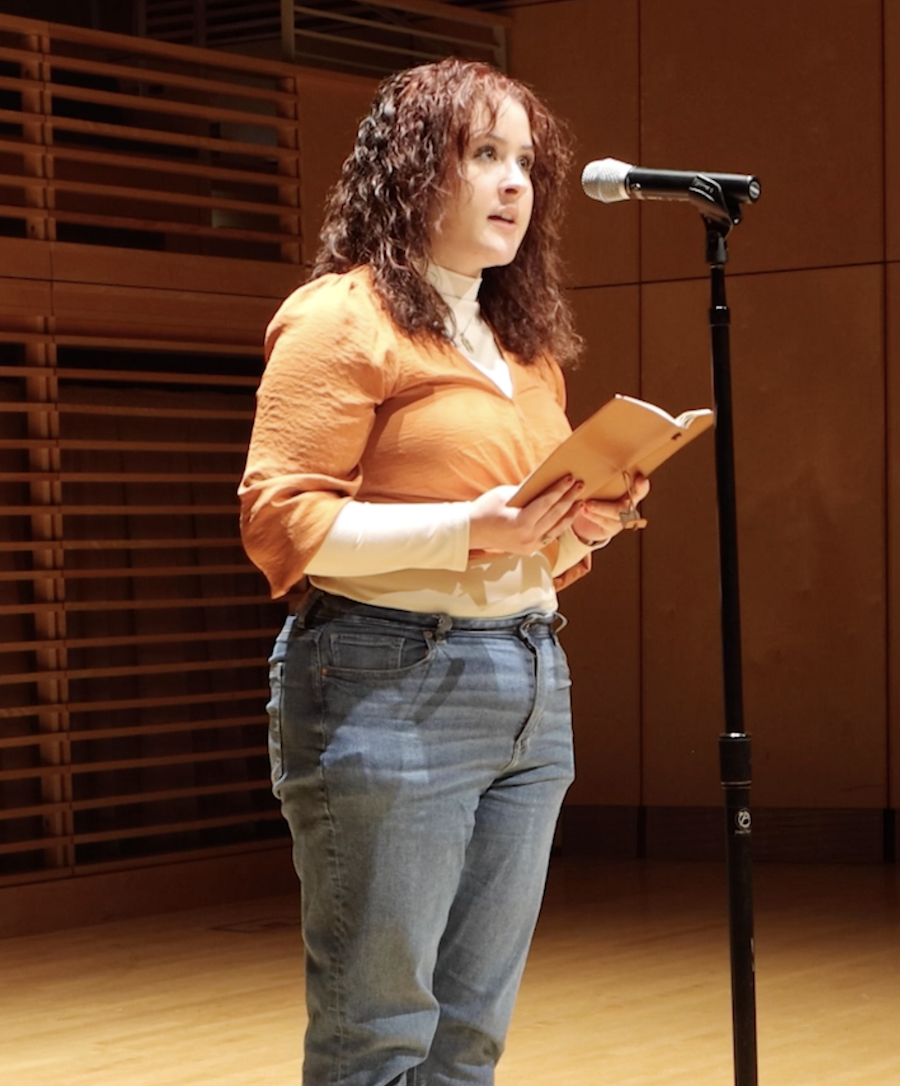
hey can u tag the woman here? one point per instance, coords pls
(420, 727)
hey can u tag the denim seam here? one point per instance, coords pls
(338, 994)
(543, 660)
(520, 745)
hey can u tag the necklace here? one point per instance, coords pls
(463, 338)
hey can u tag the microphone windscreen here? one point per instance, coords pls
(605, 180)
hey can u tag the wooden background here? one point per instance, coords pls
(806, 96)
(132, 305)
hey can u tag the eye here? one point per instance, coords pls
(526, 163)
(486, 151)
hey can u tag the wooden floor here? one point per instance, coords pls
(628, 985)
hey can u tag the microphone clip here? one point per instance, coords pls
(713, 202)
(720, 211)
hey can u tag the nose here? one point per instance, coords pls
(515, 178)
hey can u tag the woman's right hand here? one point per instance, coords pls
(496, 527)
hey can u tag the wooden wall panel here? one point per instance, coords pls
(330, 107)
(682, 695)
(787, 89)
(157, 313)
(24, 303)
(792, 91)
(892, 124)
(135, 631)
(603, 635)
(583, 58)
(24, 259)
(73, 263)
(893, 500)
(809, 420)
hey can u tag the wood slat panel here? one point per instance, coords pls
(136, 639)
(149, 797)
(101, 129)
(127, 222)
(150, 210)
(148, 112)
(120, 544)
(107, 663)
(159, 75)
(118, 44)
(88, 574)
(207, 111)
(178, 604)
(177, 701)
(74, 674)
(76, 736)
(134, 344)
(116, 477)
(127, 510)
(125, 764)
(155, 196)
(119, 835)
(147, 377)
(162, 855)
(106, 158)
(185, 793)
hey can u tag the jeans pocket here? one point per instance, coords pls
(374, 654)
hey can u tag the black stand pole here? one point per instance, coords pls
(721, 210)
(734, 744)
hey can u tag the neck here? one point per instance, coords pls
(453, 284)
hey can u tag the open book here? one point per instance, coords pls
(626, 437)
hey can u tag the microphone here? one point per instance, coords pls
(610, 180)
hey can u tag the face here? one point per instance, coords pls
(483, 222)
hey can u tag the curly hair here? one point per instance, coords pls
(407, 161)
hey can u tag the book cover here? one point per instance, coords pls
(624, 438)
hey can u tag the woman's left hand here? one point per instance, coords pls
(598, 521)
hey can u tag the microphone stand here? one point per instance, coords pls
(721, 213)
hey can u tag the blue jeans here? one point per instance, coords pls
(421, 762)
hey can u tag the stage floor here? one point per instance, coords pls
(628, 985)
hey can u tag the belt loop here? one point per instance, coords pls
(309, 599)
(444, 626)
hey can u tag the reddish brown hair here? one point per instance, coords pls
(407, 159)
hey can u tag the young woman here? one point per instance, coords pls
(420, 724)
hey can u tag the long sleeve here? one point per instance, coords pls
(327, 369)
(366, 538)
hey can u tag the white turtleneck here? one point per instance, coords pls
(470, 333)
(368, 539)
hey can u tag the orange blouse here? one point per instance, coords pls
(350, 407)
